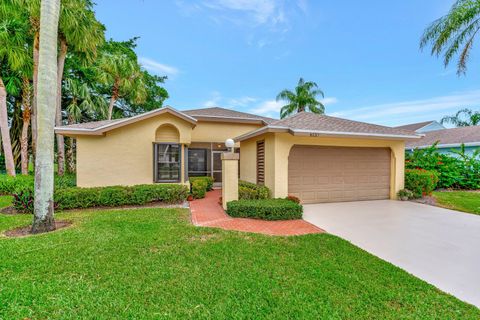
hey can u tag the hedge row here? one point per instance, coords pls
(251, 191)
(76, 198)
(266, 209)
(10, 185)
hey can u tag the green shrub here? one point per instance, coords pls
(209, 181)
(460, 172)
(420, 182)
(252, 191)
(293, 198)
(68, 180)
(199, 188)
(23, 201)
(405, 194)
(266, 209)
(10, 185)
(78, 198)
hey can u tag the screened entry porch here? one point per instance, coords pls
(204, 159)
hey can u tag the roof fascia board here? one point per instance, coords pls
(102, 129)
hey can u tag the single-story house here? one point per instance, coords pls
(422, 127)
(317, 158)
(448, 139)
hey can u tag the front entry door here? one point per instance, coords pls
(217, 165)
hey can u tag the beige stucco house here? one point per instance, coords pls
(315, 157)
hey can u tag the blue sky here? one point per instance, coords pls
(240, 53)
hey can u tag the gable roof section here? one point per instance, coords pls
(100, 127)
(415, 126)
(222, 114)
(448, 138)
(305, 123)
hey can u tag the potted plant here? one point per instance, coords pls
(405, 194)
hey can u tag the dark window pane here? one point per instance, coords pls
(168, 162)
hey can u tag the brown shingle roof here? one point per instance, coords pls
(414, 126)
(225, 113)
(316, 122)
(455, 136)
(91, 125)
(213, 113)
(305, 123)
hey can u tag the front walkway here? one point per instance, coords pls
(208, 212)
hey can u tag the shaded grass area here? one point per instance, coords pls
(5, 201)
(466, 201)
(151, 263)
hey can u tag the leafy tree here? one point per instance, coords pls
(302, 99)
(46, 97)
(463, 118)
(454, 33)
(13, 37)
(154, 98)
(118, 69)
(81, 32)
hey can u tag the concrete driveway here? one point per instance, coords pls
(438, 245)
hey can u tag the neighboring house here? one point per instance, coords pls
(448, 139)
(422, 127)
(315, 157)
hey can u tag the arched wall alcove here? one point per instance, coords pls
(167, 133)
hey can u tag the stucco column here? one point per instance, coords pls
(229, 177)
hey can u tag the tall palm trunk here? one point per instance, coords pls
(26, 115)
(69, 153)
(113, 99)
(36, 44)
(43, 219)
(58, 116)
(6, 143)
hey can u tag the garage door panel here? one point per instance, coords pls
(330, 174)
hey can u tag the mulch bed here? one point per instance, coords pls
(427, 200)
(10, 211)
(25, 231)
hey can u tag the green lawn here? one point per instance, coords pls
(466, 201)
(5, 201)
(152, 263)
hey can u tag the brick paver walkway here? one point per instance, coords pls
(208, 212)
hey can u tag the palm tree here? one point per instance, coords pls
(80, 31)
(454, 33)
(463, 118)
(304, 98)
(43, 218)
(80, 102)
(13, 36)
(123, 75)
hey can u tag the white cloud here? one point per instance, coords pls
(242, 102)
(157, 67)
(397, 113)
(214, 100)
(261, 11)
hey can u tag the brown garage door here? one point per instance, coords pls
(333, 174)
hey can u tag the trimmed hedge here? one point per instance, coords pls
(266, 209)
(208, 180)
(199, 188)
(76, 198)
(10, 185)
(420, 182)
(251, 191)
